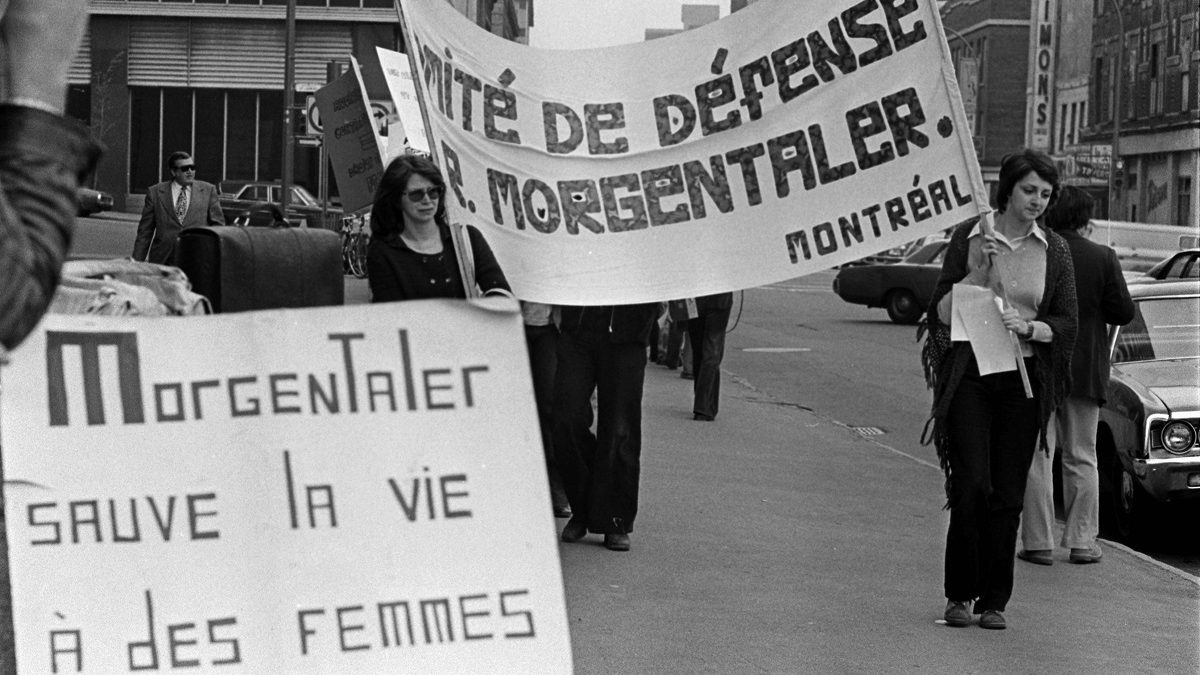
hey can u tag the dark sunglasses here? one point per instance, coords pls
(186, 167)
(434, 193)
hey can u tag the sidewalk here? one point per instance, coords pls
(775, 541)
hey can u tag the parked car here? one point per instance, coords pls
(903, 288)
(1182, 265)
(303, 207)
(1146, 444)
(91, 201)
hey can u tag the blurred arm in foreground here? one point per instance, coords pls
(43, 157)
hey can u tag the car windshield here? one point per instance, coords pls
(1162, 328)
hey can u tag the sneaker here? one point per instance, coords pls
(992, 620)
(1036, 556)
(616, 541)
(574, 530)
(957, 614)
(1083, 556)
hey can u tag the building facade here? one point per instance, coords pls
(989, 43)
(207, 76)
(1146, 92)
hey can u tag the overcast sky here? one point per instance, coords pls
(577, 24)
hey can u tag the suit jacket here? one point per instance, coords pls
(1103, 299)
(159, 228)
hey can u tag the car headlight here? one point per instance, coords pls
(1178, 437)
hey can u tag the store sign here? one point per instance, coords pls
(1088, 165)
(1039, 116)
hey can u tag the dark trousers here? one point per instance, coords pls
(600, 472)
(993, 431)
(674, 343)
(541, 342)
(707, 335)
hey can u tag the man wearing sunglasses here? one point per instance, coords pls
(172, 206)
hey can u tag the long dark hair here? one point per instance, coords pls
(1016, 166)
(387, 218)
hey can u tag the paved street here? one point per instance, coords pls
(776, 540)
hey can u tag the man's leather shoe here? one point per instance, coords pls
(992, 620)
(1036, 556)
(957, 614)
(1083, 556)
(616, 541)
(574, 530)
(562, 511)
(701, 417)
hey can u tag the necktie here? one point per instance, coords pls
(181, 203)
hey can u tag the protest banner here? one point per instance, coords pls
(288, 498)
(354, 145)
(786, 138)
(399, 77)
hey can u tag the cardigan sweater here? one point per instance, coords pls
(396, 272)
(945, 361)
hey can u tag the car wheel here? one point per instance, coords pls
(1129, 503)
(902, 306)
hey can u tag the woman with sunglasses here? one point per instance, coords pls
(411, 255)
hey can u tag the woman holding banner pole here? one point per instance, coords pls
(986, 427)
(412, 254)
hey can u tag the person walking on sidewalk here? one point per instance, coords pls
(984, 426)
(1103, 299)
(601, 349)
(172, 206)
(541, 341)
(707, 334)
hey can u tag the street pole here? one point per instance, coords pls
(289, 84)
(1115, 159)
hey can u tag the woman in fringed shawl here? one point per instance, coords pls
(984, 427)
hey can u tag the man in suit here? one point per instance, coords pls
(173, 205)
(1103, 299)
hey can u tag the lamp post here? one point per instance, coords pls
(1115, 158)
(289, 83)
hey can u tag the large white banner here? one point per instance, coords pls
(350, 490)
(789, 137)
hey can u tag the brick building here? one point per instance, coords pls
(995, 35)
(1159, 118)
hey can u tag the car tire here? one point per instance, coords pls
(1129, 504)
(902, 306)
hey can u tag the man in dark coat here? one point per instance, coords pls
(1103, 299)
(172, 206)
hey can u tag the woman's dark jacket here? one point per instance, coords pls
(622, 323)
(396, 272)
(1103, 299)
(946, 361)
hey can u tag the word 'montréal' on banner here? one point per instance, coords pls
(399, 77)
(352, 139)
(705, 161)
(331, 490)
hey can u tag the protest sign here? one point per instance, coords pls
(350, 136)
(286, 498)
(399, 77)
(786, 138)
